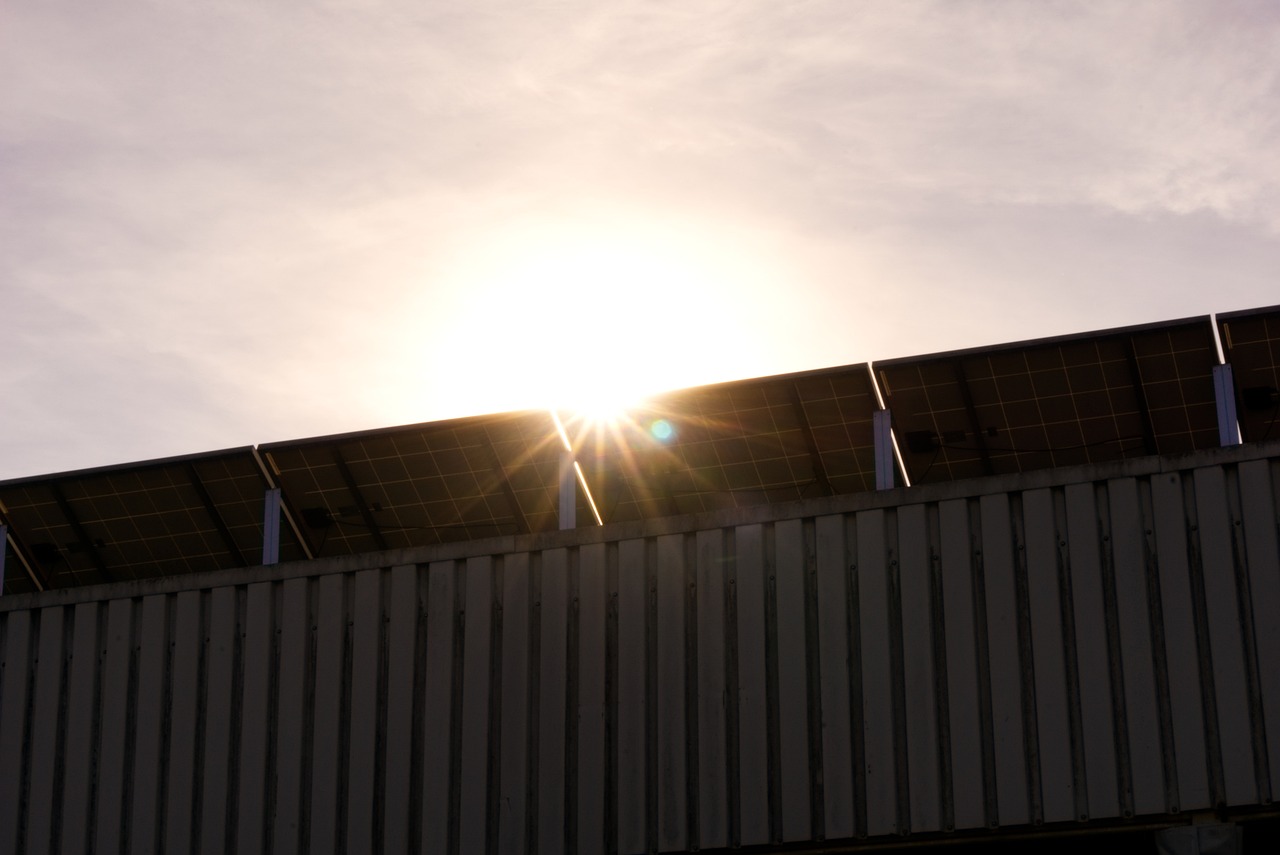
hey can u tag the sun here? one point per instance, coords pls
(589, 316)
(622, 316)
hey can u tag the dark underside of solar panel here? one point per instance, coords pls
(1059, 402)
(761, 441)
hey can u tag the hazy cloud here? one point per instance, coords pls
(231, 222)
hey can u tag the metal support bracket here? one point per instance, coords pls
(1225, 394)
(881, 424)
(568, 491)
(271, 527)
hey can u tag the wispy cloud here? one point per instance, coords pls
(256, 213)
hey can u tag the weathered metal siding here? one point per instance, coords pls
(1073, 651)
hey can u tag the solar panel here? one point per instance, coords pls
(423, 484)
(1054, 402)
(1251, 343)
(179, 515)
(732, 445)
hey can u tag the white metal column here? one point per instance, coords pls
(881, 424)
(568, 491)
(271, 527)
(1224, 392)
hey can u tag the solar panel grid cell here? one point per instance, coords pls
(1057, 407)
(322, 475)
(225, 488)
(832, 437)
(822, 412)
(455, 466)
(1049, 383)
(465, 487)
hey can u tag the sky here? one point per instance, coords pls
(226, 223)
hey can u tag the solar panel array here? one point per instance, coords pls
(1010, 408)
(1054, 402)
(1251, 343)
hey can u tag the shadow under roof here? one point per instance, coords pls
(773, 439)
(1251, 342)
(135, 521)
(423, 484)
(1084, 398)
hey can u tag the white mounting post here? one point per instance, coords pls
(271, 527)
(1224, 392)
(568, 492)
(880, 425)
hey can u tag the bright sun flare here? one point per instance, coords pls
(590, 320)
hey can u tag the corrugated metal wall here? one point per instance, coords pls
(1072, 652)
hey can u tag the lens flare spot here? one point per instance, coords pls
(662, 430)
